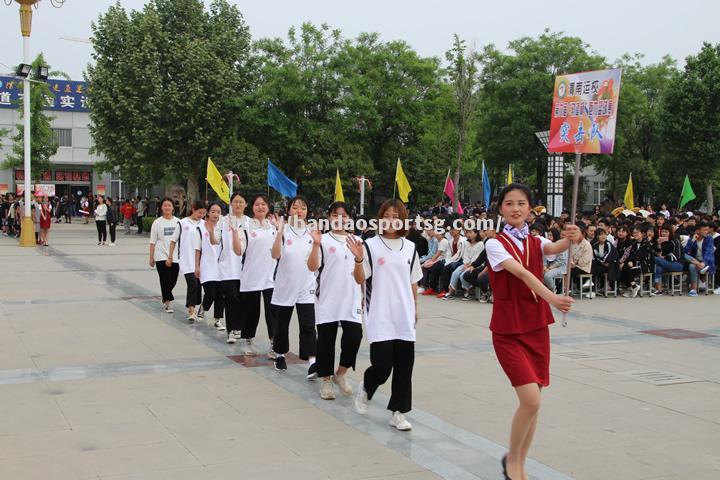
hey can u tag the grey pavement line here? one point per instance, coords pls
(100, 370)
(63, 301)
(432, 445)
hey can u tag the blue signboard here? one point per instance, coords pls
(66, 96)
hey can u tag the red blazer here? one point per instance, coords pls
(516, 309)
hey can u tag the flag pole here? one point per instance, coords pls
(395, 181)
(573, 215)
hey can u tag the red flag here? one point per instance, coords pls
(460, 210)
(449, 189)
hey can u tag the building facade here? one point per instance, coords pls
(73, 166)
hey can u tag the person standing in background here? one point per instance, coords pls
(141, 206)
(101, 220)
(112, 219)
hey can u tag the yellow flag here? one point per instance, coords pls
(339, 197)
(216, 181)
(509, 175)
(629, 202)
(403, 185)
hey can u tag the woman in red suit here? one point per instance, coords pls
(521, 315)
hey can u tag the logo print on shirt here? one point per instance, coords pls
(289, 242)
(333, 249)
(381, 261)
(187, 228)
(253, 234)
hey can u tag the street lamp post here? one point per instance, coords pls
(27, 232)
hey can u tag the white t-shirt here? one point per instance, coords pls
(396, 244)
(496, 253)
(258, 265)
(229, 263)
(294, 282)
(339, 297)
(101, 212)
(444, 248)
(188, 242)
(209, 271)
(162, 232)
(389, 303)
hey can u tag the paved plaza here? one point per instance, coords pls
(96, 382)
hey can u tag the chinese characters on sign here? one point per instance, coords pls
(584, 112)
(60, 176)
(66, 96)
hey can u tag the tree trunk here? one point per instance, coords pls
(710, 199)
(458, 163)
(192, 192)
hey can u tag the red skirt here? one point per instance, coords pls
(525, 357)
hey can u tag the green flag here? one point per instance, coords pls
(687, 192)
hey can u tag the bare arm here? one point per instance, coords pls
(276, 250)
(313, 262)
(236, 241)
(152, 254)
(414, 288)
(571, 233)
(560, 302)
(197, 263)
(356, 247)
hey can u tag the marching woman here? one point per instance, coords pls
(521, 315)
(294, 286)
(230, 265)
(258, 269)
(207, 254)
(163, 235)
(389, 266)
(187, 242)
(332, 258)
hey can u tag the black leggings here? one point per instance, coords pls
(112, 227)
(102, 231)
(168, 279)
(213, 295)
(231, 296)
(250, 305)
(349, 344)
(398, 357)
(306, 323)
(194, 290)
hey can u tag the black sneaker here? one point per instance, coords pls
(312, 372)
(280, 364)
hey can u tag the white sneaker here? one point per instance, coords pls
(341, 381)
(111, 244)
(420, 290)
(399, 421)
(219, 325)
(326, 389)
(588, 284)
(168, 308)
(192, 317)
(716, 291)
(231, 339)
(635, 290)
(200, 312)
(235, 334)
(271, 354)
(249, 349)
(361, 400)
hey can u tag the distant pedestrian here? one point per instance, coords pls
(101, 220)
(112, 219)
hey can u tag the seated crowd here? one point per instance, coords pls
(616, 254)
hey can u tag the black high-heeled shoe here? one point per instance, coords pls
(504, 465)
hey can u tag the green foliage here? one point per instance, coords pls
(147, 223)
(163, 82)
(690, 123)
(42, 140)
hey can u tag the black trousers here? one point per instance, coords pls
(112, 227)
(445, 275)
(476, 278)
(349, 345)
(194, 290)
(306, 323)
(398, 357)
(231, 296)
(101, 229)
(432, 274)
(168, 279)
(140, 224)
(250, 312)
(213, 295)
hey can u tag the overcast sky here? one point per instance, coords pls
(611, 27)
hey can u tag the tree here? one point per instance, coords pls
(638, 148)
(163, 83)
(43, 144)
(462, 74)
(516, 97)
(690, 123)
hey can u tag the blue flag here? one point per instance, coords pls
(486, 186)
(281, 183)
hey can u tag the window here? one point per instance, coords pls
(598, 192)
(63, 136)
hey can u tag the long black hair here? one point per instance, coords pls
(514, 186)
